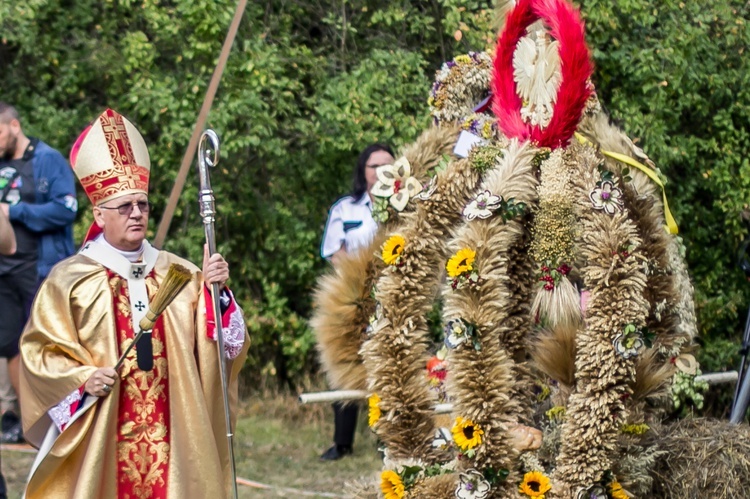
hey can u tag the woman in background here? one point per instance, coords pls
(350, 226)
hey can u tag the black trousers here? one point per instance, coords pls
(345, 423)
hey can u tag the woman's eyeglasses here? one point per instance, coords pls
(127, 208)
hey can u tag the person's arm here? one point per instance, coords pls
(7, 236)
(62, 206)
(334, 236)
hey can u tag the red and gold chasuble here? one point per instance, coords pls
(143, 416)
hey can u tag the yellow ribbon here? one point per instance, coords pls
(671, 224)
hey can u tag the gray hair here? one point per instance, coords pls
(8, 113)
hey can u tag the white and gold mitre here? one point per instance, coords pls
(110, 159)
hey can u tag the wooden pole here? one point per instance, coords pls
(187, 159)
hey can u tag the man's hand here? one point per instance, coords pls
(215, 268)
(5, 208)
(7, 236)
(101, 382)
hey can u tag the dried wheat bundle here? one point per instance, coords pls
(610, 266)
(396, 355)
(482, 369)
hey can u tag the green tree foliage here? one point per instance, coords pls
(309, 84)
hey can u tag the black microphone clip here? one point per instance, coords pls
(144, 350)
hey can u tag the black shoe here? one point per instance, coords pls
(336, 452)
(14, 435)
(8, 421)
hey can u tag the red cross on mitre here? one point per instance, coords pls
(114, 127)
(128, 177)
(117, 139)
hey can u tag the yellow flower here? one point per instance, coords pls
(556, 413)
(374, 412)
(391, 485)
(635, 429)
(466, 434)
(461, 262)
(617, 491)
(392, 249)
(535, 484)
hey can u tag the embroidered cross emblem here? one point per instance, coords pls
(112, 126)
(128, 177)
(137, 272)
(140, 306)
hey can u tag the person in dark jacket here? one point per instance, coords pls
(37, 195)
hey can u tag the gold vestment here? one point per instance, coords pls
(70, 334)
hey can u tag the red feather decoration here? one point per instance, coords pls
(567, 28)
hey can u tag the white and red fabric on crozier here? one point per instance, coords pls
(233, 329)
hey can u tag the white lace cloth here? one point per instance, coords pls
(60, 414)
(234, 333)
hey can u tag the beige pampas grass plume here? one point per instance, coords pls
(652, 377)
(554, 353)
(558, 307)
(342, 308)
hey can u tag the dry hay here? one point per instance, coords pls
(342, 308)
(703, 459)
(364, 488)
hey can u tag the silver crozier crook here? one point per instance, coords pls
(208, 155)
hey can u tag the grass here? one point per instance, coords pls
(277, 443)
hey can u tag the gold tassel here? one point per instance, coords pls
(176, 279)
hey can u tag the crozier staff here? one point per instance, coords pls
(157, 433)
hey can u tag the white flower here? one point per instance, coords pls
(472, 485)
(686, 364)
(377, 321)
(429, 190)
(396, 183)
(628, 345)
(483, 206)
(442, 439)
(607, 198)
(456, 333)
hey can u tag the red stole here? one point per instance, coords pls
(143, 412)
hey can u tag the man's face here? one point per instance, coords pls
(8, 138)
(122, 230)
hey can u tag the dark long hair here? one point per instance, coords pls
(359, 183)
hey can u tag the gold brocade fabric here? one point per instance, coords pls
(71, 332)
(143, 422)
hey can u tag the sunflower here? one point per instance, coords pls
(466, 434)
(391, 485)
(392, 249)
(534, 484)
(461, 262)
(616, 490)
(374, 412)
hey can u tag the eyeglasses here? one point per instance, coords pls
(127, 208)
